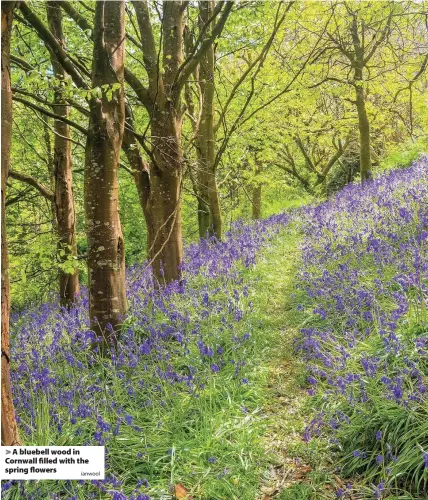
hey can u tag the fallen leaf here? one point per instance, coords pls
(302, 471)
(180, 491)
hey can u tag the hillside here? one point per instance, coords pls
(291, 360)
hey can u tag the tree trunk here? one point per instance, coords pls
(363, 121)
(364, 127)
(204, 212)
(209, 214)
(162, 100)
(257, 202)
(204, 219)
(9, 429)
(257, 193)
(50, 162)
(164, 204)
(106, 258)
(159, 193)
(140, 169)
(64, 201)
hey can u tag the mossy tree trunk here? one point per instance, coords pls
(210, 221)
(62, 173)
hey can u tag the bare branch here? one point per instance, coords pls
(28, 179)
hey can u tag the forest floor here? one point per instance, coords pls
(241, 432)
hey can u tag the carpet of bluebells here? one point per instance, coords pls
(364, 280)
(178, 402)
(174, 405)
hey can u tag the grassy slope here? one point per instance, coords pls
(260, 454)
(214, 445)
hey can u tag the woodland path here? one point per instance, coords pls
(287, 403)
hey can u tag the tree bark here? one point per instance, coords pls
(256, 204)
(9, 429)
(106, 258)
(164, 203)
(204, 219)
(209, 210)
(62, 172)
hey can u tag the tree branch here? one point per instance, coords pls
(49, 113)
(147, 43)
(80, 20)
(53, 45)
(18, 197)
(380, 40)
(339, 153)
(304, 182)
(132, 80)
(305, 154)
(140, 90)
(190, 64)
(83, 23)
(21, 63)
(43, 190)
(259, 59)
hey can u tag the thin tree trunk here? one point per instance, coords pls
(363, 120)
(204, 215)
(324, 187)
(64, 201)
(50, 161)
(9, 429)
(210, 223)
(364, 128)
(257, 202)
(106, 258)
(140, 170)
(215, 208)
